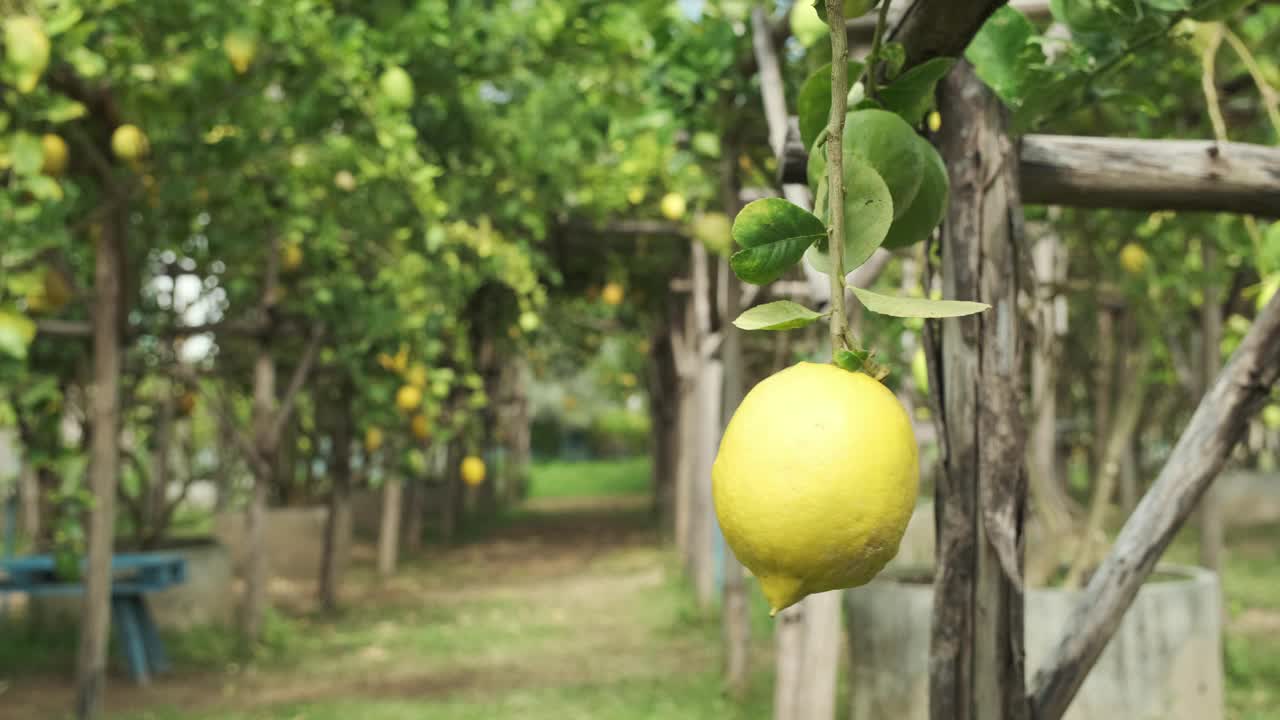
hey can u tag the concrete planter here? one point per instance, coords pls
(294, 541)
(1164, 663)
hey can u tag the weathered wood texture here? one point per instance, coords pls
(940, 28)
(389, 529)
(1185, 175)
(1218, 423)
(862, 29)
(977, 663)
(1151, 174)
(104, 467)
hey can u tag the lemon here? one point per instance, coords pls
(291, 257)
(920, 371)
(344, 180)
(806, 26)
(372, 439)
(397, 86)
(26, 50)
(1133, 258)
(128, 142)
(416, 375)
(715, 230)
(55, 154)
(612, 294)
(240, 48)
(472, 470)
(420, 426)
(815, 481)
(673, 206)
(408, 398)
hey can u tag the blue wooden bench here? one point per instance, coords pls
(132, 577)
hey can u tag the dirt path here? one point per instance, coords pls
(537, 604)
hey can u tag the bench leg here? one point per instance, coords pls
(131, 640)
(157, 659)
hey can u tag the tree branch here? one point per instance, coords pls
(295, 385)
(1240, 391)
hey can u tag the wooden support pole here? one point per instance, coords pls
(976, 666)
(1220, 420)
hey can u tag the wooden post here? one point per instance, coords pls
(104, 467)
(264, 468)
(976, 667)
(1212, 540)
(339, 499)
(389, 530)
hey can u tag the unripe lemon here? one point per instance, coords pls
(472, 470)
(128, 142)
(55, 154)
(408, 398)
(529, 321)
(420, 426)
(715, 230)
(397, 86)
(26, 49)
(240, 47)
(920, 371)
(1133, 258)
(673, 206)
(815, 481)
(372, 439)
(344, 180)
(612, 294)
(416, 375)
(806, 25)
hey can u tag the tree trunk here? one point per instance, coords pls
(415, 501)
(976, 665)
(339, 503)
(807, 652)
(1211, 530)
(156, 491)
(451, 493)
(736, 614)
(663, 384)
(1103, 394)
(104, 467)
(389, 531)
(703, 523)
(264, 467)
(29, 492)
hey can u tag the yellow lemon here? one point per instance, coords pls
(815, 481)
(128, 142)
(291, 257)
(26, 50)
(55, 154)
(420, 426)
(472, 470)
(935, 121)
(240, 47)
(408, 398)
(673, 206)
(344, 180)
(372, 439)
(1133, 258)
(635, 195)
(612, 294)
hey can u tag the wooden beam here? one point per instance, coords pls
(940, 28)
(1122, 173)
(1241, 390)
(1151, 174)
(976, 662)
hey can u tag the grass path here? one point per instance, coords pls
(567, 610)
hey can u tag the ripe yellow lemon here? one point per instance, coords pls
(26, 50)
(240, 47)
(372, 439)
(472, 470)
(128, 142)
(673, 206)
(421, 426)
(291, 257)
(1133, 258)
(55, 154)
(408, 398)
(612, 294)
(815, 481)
(416, 375)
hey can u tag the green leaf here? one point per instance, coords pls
(16, 333)
(888, 144)
(868, 214)
(813, 105)
(1003, 55)
(894, 56)
(929, 207)
(27, 153)
(917, 307)
(774, 234)
(780, 315)
(911, 96)
(1216, 10)
(851, 360)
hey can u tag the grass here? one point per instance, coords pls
(559, 479)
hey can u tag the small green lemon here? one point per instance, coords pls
(815, 481)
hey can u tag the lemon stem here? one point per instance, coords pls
(873, 57)
(835, 170)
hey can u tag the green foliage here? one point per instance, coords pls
(777, 315)
(774, 235)
(813, 103)
(868, 214)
